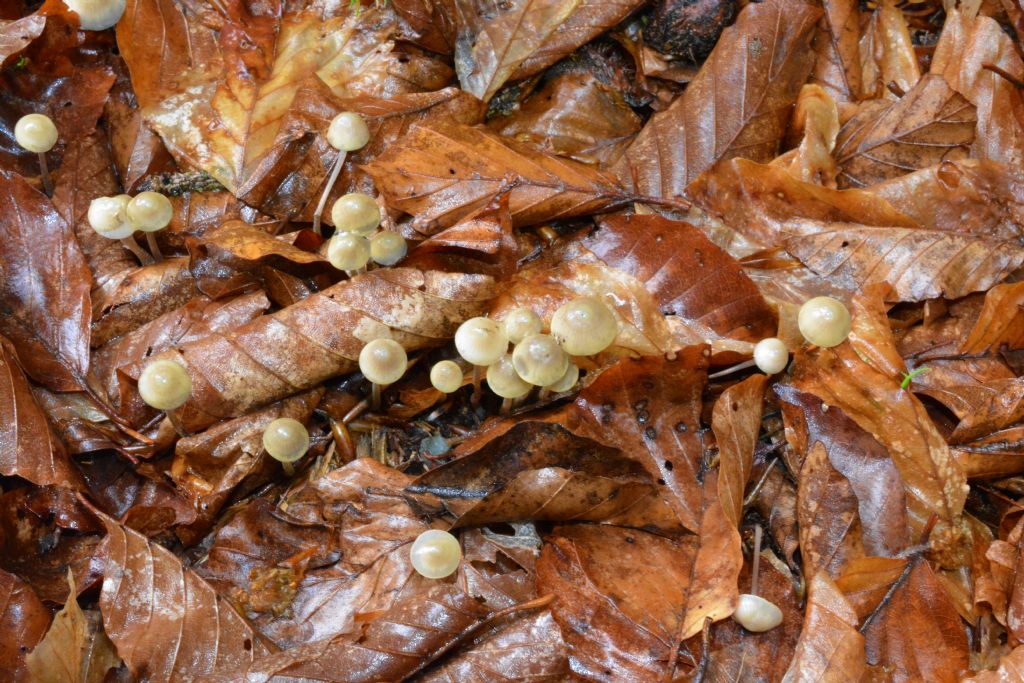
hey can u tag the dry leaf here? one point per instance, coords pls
(837, 67)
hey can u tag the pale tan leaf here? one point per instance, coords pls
(830, 649)
(736, 421)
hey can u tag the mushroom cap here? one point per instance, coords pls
(771, 355)
(584, 326)
(756, 614)
(108, 216)
(36, 133)
(383, 361)
(824, 321)
(356, 213)
(540, 360)
(97, 15)
(446, 376)
(348, 252)
(435, 554)
(503, 379)
(348, 132)
(286, 439)
(164, 384)
(481, 341)
(150, 211)
(388, 248)
(520, 323)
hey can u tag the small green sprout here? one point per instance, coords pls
(908, 377)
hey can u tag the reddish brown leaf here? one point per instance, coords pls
(830, 648)
(167, 623)
(736, 421)
(1010, 670)
(28, 447)
(830, 534)
(320, 337)
(930, 124)
(1001, 321)
(837, 47)
(737, 105)
(444, 172)
(23, 622)
(984, 394)
(44, 282)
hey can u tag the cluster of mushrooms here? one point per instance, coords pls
(582, 327)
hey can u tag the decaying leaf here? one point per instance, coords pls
(830, 648)
(24, 619)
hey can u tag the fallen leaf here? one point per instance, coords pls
(887, 53)
(1000, 323)
(984, 394)
(28, 447)
(45, 286)
(444, 172)
(16, 34)
(930, 124)
(919, 263)
(1010, 670)
(736, 421)
(830, 534)
(737, 105)
(166, 622)
(830, 648)
(75, 648)
(837, 67)
(237, 370)
(24, 620)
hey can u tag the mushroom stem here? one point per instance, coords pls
(735, 368)
(756, 560)
(374, 396)
(339, 162)
(154, 248)
(478, 373)
(44, 170)
(131, 245)
(289, 469)
(176, 423)
(506, 407)
(543, 394)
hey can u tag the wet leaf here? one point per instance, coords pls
(75, 648)
(1001, 321)
(23, 621)
(830, 648)
(28, 447)
(166, 622)
(736, 421)
(277, 355)
(444, 172)
(930, 124)
(16, 34)
(837, 47)
(735, 107)
(44, 282)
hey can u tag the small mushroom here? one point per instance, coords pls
(584, 326)
(383, 362)
(36, 133)
(446, 376)
(824, 321)
(347, 132)
(435, 554)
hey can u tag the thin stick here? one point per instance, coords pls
(339, 161)
(357, 410)
(154, 248)
(45, 172)
(756, 560)
(760, 482)
(374, 396)
(478, 372)
(131, 245)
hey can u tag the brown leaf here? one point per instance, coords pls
(983, 393)
(241, 246)
(830, 648)
(137, 151)
(736, 421)
(16, 34)
(830, 535)
(392, 646)
(444, 172)
(86, 173)
(359, 522)
(930, 124)
(837, 47)
(862, 468)
(624, 597)
(219, 94)
(1001, 321)
(866, 580)
(573, 115)
(897, 420)
(28, 447)
(689, 276)
(229, 458)
(44, 282)
(737, 105)
(1010, 670)
(530, 648)
(75, 649)
(1000, 454)
(166, 622)
(760, 200)
(23, 621)
(919, 263)
(539, 470)
(649, 408)
(494, 40)
(969, 196)
(776, 502)
(887, 53)
(278, 355)
(966, 45)
(917, 632)
(198, 318)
